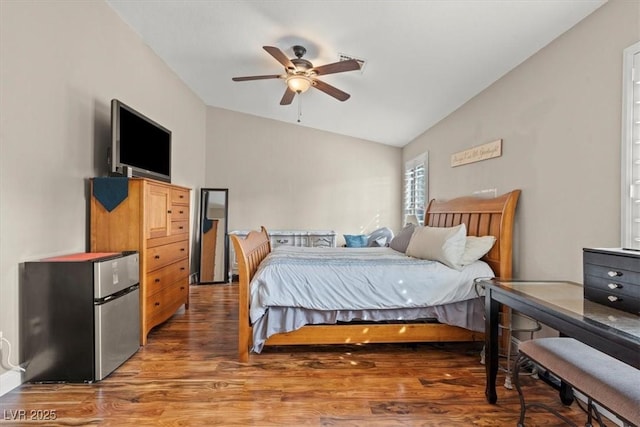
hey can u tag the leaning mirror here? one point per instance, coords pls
(214, 267)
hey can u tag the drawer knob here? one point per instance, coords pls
(157, 304)
(180, 228)
(182, 288)
(157, 280)
(169, 211)
(614, 273)
(157, 257)
(612, 298)
(181, 212)
(613, 286)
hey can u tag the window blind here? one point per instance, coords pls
(415, 187)
(631, 148)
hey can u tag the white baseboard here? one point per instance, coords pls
(8, 381)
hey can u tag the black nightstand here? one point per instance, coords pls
(612, 278)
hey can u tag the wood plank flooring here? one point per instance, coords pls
(188, 375)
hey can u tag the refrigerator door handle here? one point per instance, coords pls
(100, 301)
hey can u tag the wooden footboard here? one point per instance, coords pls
(250, 252)
(482, 217)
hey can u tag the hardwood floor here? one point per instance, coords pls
(188, 374)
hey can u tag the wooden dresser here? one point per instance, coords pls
(612, 278)
(153, 219)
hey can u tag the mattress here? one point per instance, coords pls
(297, 286)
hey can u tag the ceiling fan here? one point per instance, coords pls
(300, 74)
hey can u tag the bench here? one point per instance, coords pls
(604, 380)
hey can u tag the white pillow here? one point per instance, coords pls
(443, 244)
(475, 248)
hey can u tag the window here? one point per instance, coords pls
(631, 148)
(415, 188)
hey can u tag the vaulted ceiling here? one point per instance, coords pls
(423, 59)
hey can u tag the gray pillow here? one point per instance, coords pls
(380, 237)
(401, 241)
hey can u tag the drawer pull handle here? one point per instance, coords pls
(612, 298)
(614, 274)
(157, 257)
(182, 288)
(181, 212)
(181, 268)
(169, 211)
(180, 228)
(181, 196)
(613, 286)
(157, 280)
(181, 249)
(156, 304)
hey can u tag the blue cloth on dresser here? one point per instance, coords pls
(111, 191)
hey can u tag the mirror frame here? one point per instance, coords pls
(203, 219)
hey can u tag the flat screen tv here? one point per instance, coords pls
(140, 147)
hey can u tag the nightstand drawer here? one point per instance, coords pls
(621, 302)
(612, 285)
(613, 263)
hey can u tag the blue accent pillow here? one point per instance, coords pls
(356, 240)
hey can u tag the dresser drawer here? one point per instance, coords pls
(180, 213)
(179, 196)
(619, 301)
(160, 306)
(287, 240)
(160, 256)
(179, 227)
(322, 241)
(165, 276)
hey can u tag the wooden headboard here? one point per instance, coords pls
(482, 217)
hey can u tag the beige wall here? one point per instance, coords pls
(286, 176)
(559, 115)
(61, 64)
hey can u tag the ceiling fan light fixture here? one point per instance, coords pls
(299, 83)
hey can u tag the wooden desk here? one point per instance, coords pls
(561, 306)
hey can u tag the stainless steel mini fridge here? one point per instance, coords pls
(79, 316)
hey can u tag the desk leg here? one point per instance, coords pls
(492, 308)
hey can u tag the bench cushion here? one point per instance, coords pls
(605, 379)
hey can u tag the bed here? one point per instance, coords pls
(480, 216)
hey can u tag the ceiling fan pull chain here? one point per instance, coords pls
(299, 107)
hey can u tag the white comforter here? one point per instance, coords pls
(357, 279)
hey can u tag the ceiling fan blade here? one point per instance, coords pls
(244, 79)
(279, 56)
(337, 67)
(330, 90)
(287, 98)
